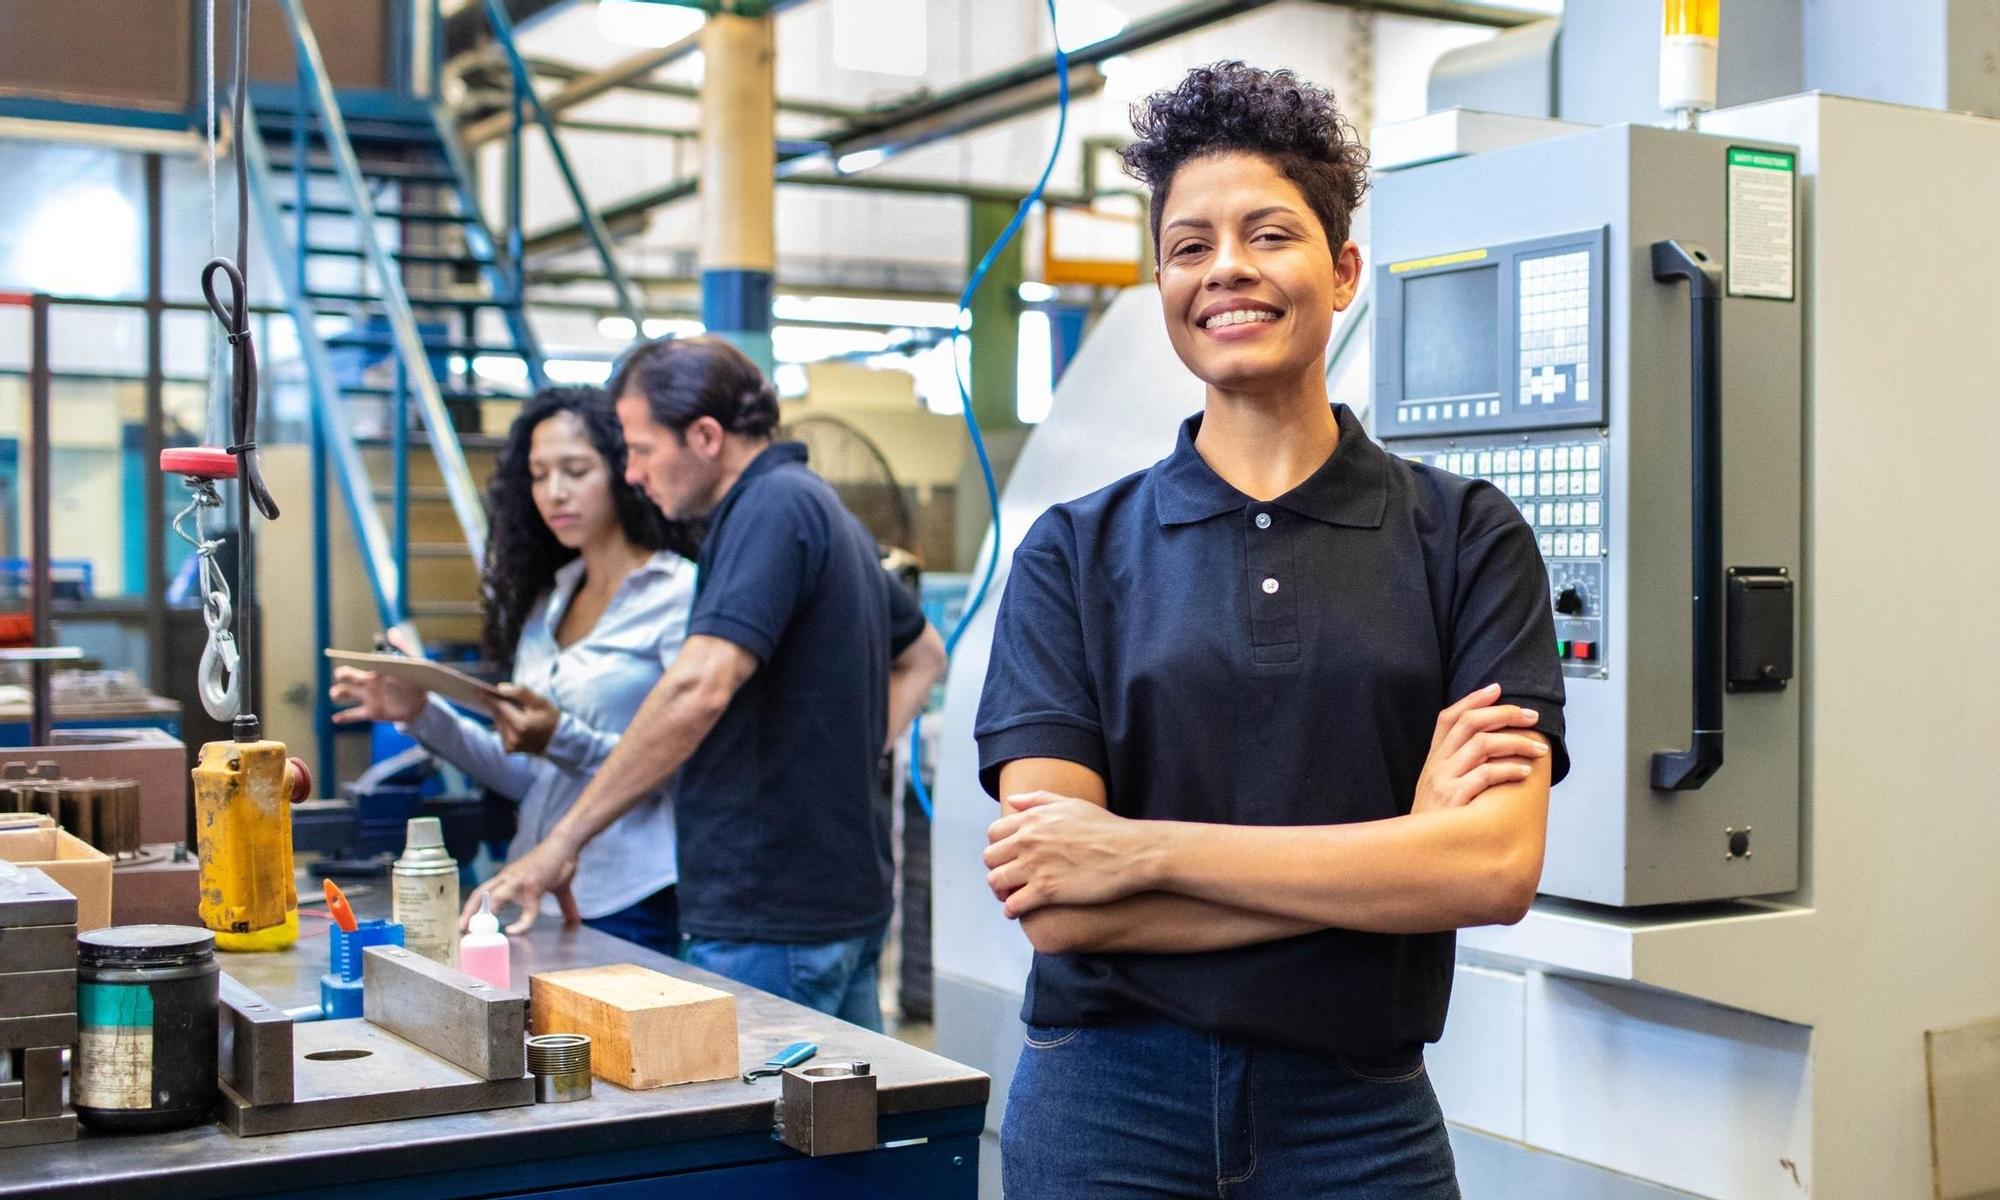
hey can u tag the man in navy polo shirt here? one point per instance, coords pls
(803, 660)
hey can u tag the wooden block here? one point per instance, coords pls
(42, 1089)
(353, 1073)
(253, 1048)
(37, 948)
(37, 993)
(646, 1029)
(20, 1032)
(38, 1131)
(459, 1018)
(35, 899)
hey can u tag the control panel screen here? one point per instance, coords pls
(1451, 336)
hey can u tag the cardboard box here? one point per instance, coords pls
(156, 760)
(33, 840)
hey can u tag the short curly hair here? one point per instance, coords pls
(1228, 106)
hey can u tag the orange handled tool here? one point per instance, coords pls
(336, 903)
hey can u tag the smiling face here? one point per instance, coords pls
(1247, 280)
(570, 481)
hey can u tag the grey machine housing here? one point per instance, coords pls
(1592, 362)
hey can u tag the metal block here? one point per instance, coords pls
(38, 993)
(10, 1090)
(460, 1019)
(37, 948)
(827, 1109)
(38, 1131)
(35, 899)
(19, 1032)
(11, 1110)
(355, 1073)
(253, 1045)
(42, 1086)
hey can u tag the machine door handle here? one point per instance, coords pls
(1686, 770)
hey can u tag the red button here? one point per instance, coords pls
(1583, 651)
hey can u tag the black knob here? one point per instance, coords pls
(1569, 602)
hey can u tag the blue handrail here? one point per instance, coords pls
(593, 226)
(452, 468)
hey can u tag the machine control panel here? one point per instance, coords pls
(1493, 338)
(1559, 481)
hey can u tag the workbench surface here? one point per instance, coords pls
(616, 1134)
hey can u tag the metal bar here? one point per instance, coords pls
(399, 413)
(38, 508)
(328, 417)
(586, 87)
(961, 111)
(322, 552)
(564, 72)
(1492, 16)
(513, 226)
(470, 1024)
(155, 436)
(600, 237)
(457, 475)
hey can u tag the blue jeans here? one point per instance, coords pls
(1147, 1108)
(837, 978)
(654, 922)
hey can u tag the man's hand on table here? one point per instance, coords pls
(545, 870)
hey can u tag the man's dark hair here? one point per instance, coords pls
(686, 379)
(1228, 106)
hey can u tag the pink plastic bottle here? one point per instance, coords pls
(483, 952)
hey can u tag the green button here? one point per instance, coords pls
(1562, 648)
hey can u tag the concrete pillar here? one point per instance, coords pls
(738, 148)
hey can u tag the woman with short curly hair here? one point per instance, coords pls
(1268, 721)
(586, 590)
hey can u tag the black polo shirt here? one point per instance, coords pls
(1221, 659)
(780, 836)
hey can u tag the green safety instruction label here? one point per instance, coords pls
(1762, 224)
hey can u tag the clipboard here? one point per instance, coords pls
(446, 681)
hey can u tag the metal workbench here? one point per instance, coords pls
(703, 1140)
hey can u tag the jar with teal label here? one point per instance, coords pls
(146, 1027)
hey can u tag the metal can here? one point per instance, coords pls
(146, 1015)
(424, 893)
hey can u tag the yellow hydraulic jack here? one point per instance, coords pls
(243, 796)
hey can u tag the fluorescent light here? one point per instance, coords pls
(1034, 369)
(81, 241)
(659, 327)
(646, 22)
(1034, 291)
(577, 370)
(864, 310)
(810, 343)
(619, 329)
(501, 368)
(860, 160)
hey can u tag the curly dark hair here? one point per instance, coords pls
(1228, 106)
(522, 555)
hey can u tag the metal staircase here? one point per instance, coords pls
(406, 309)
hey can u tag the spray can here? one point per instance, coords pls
(424, 893)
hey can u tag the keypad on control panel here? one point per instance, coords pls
(1554, 351)
(1558, 488)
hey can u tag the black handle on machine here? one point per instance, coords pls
(1686, 770)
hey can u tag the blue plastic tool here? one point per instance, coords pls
(790, 1056)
